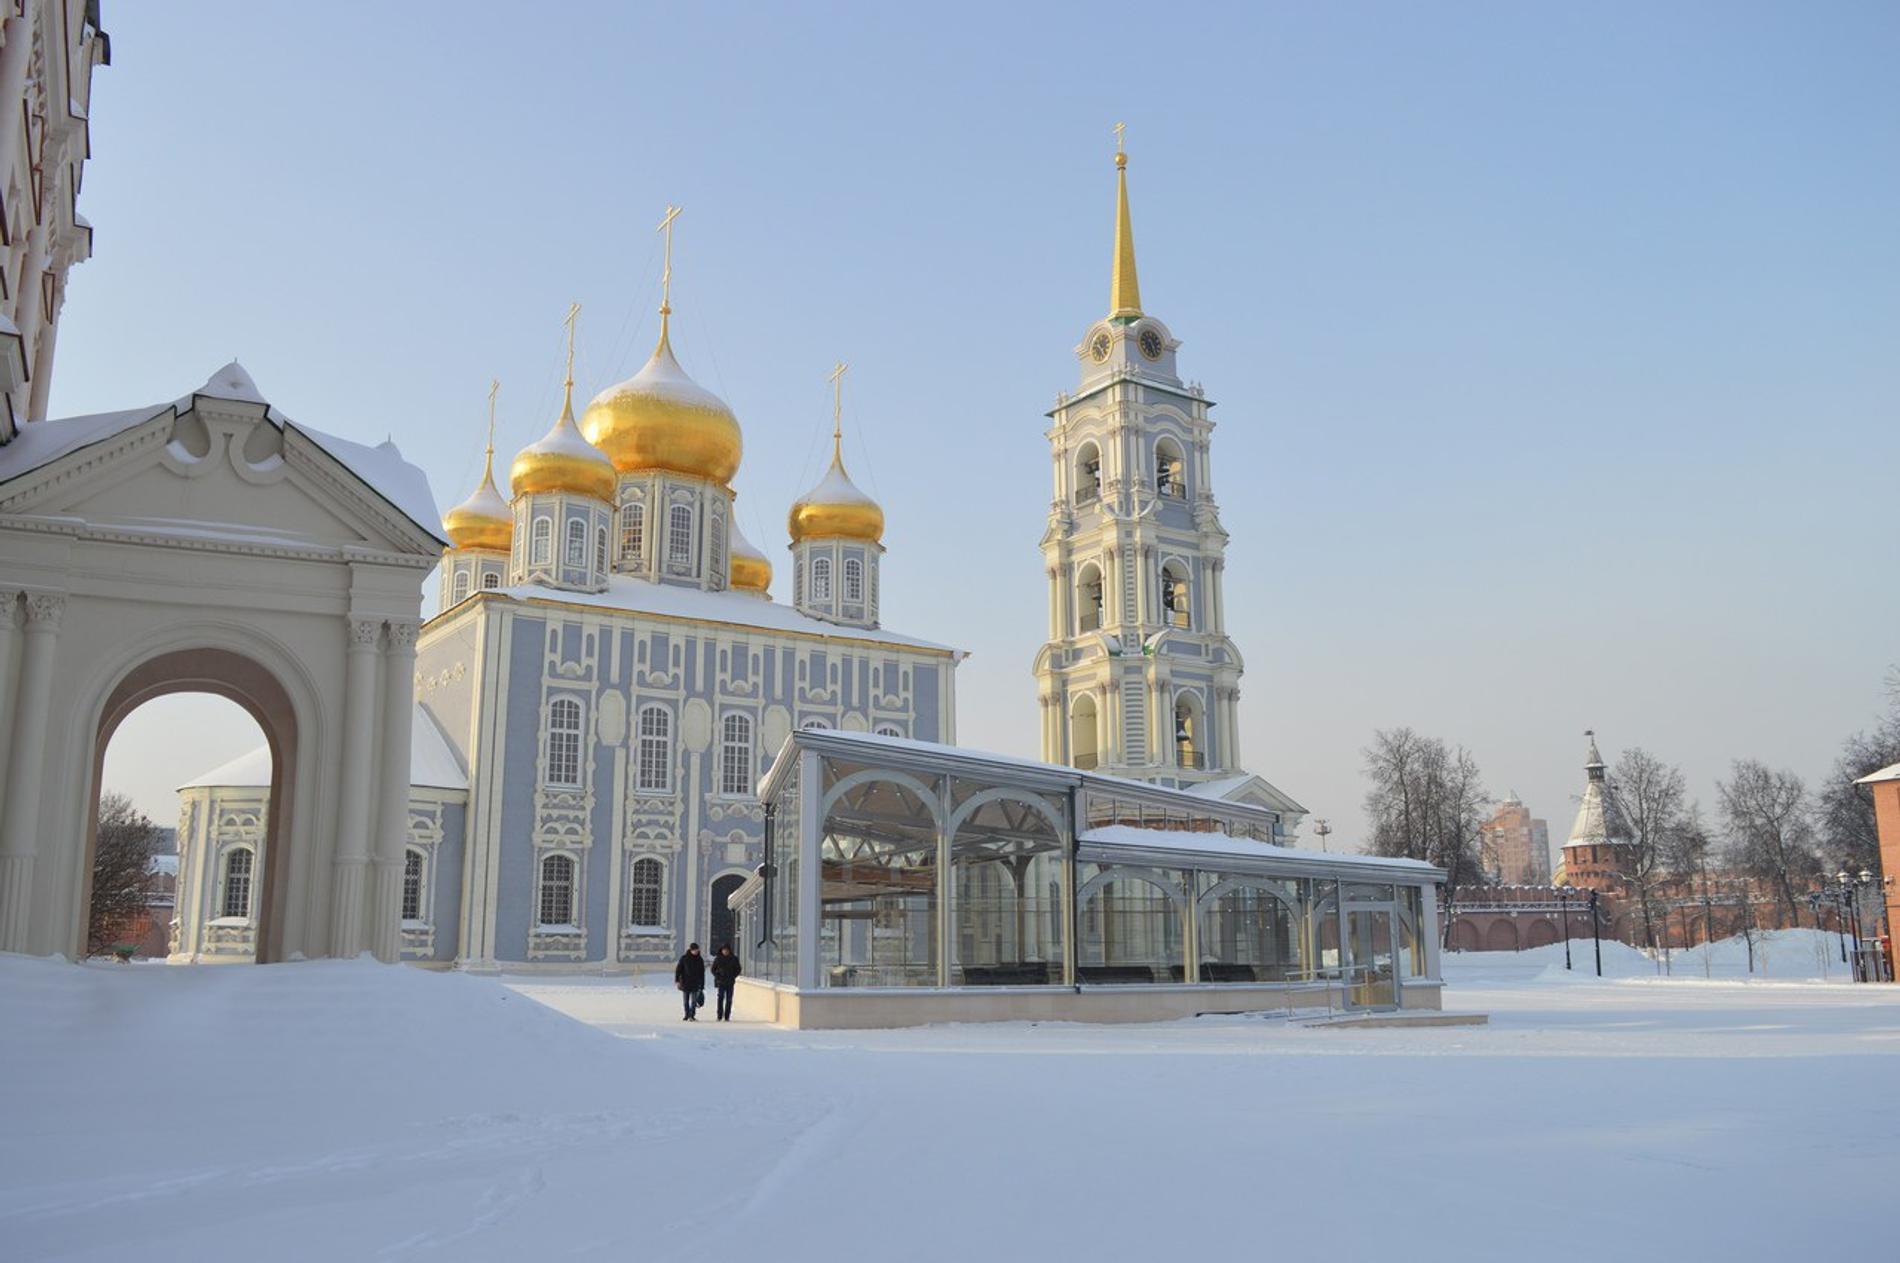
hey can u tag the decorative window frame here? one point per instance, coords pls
(226, 855)
(565, 940)
(671, 739)
(646, 929)
(555, 702)
(541, 540)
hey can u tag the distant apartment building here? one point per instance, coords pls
(1515, 846)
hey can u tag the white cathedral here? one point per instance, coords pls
(609, 675)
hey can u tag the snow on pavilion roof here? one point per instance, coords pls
(1891, 773)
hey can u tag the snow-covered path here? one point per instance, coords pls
(346, 1111)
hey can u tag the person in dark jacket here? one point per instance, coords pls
(725, 972)
(690, 977)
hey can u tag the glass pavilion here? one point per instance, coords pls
(906, 882)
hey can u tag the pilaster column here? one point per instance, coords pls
(9, 619)
(18, 34)
(356, 787)
(40, 396)
(392, 795)
(20, 817)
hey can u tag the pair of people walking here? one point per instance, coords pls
(690, 977)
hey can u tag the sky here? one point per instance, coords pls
(1553, 346)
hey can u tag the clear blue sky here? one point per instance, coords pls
(1555, 347)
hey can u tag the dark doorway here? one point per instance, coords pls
(725, 922)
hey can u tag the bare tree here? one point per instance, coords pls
(1846, 810)
(1770, 826)
(1649, 798)
(1427, 802)
(121, 871)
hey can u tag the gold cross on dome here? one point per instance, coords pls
(836, 378)
(573, 315)
(666, 275)
(494, 388)
(1119, 129)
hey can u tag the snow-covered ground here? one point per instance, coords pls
(347, 1111)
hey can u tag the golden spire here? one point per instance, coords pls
(666, 274)
(1124, 298)
(482, 520)
(836, 379)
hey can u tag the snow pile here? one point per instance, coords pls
(1779, 955)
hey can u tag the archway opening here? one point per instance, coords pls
(1085, 750)
(1189, 751)
(207, 738)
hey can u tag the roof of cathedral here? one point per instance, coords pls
(382, 468)
(836, 509)
(563, 460)
(432, 762)
(738, 609)
(660, 418)
(751, 569)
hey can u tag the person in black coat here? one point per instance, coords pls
(725, 972)
(690, 977)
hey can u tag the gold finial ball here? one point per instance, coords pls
(1121, 161)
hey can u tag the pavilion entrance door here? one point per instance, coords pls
(1373, 980)
(723, 928)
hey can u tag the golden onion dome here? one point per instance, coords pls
(564, 461)
(751, 572)
(662, 419)
(482, 520)
(835, 508)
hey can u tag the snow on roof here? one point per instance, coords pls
(835, 487)
(1891, 773)
(386, 472)
(432, 762)
(662, 377)
(382, 468)
(1217, 845)
(643, 596)
(43, 442)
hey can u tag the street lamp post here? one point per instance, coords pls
(1596, 932)
(1563, 898)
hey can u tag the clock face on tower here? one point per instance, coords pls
(1098, 349)
(1151, 344)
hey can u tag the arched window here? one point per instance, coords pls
(1170, 470)
(1187, 732)
(1088, 474)
(564, 742)
(491, 581)
(541, 542)
(1085, 733)
(460, 592)
(798, 581)
(646, 895)
(1174, 595)
(600, 549)
(888, 730)
(557, 890)
(655, 762)
(1088, 598)
(816, 725)
(576, 542)
(412, 885)
(718, 529)
(633, 531)
(821, 579)
(238, 864)
(735, 754)
(853, 579)
(679, 534)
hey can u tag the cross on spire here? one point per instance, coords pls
(573, 315)
(494, 388)
(836, 378)
(666, 275)
(1121, 157)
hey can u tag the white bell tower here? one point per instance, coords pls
(1138, 676)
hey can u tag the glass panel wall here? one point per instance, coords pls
(1411, 936)
(1131, 930)
(877, 898)
(1372, 984)
(1251, 929)
(775, 955)
(1006, 899)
